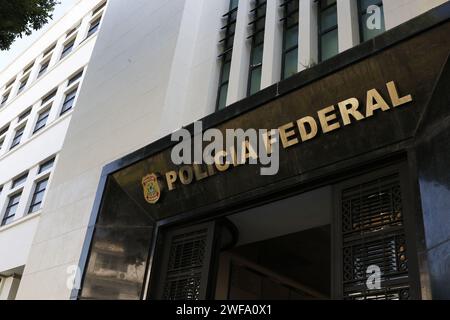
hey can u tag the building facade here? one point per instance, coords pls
(357, 90)
(38, 94)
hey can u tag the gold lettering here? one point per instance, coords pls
(353, 103)
(199, 174)
(393, 93)
(186, 175)
(325, 118)
(286, 132)
(247, 152)
(221, 162)
(171, 178)
(268, 141)
(304, 134)
(380, 103)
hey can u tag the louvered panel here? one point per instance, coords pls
(373, 235)
(372, 206)
(186, 258)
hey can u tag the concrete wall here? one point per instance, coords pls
(35, 148)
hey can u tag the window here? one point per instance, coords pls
(19, 181)
(49, 96)
(290, 39)
(227, 43)
(49, 51)
(11, 209)
(46, 165)
(43, 68)
(28, 68)
(75, 78)
(41, 120)
(67, 48)
(4, 98)
(17, 137)
(256, 55)
(100, 7)
(68, 101)
(24, 114)
(72, 31)
(38, 196)
(368, 20)
(2, 141)
(4, 130)
(10, 83)
(93, 27)
(328, 29)
(23, 83)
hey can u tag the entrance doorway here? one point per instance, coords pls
(281, 250)
(321, 244)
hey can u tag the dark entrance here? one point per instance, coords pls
(320, 244)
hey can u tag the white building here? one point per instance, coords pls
(155, 68)
(38, 93)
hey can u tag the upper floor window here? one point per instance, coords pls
(11, 209)
(47, 165)
(23, 84)
(49, 96)
(227, 43)
(75, 78)
(328, 29)
(290, 39)
(69, 101)
(20, 180)
(43, 67)
(5, 97)
(371, 19)
(28, 68)
(41, 121)
(17, 137)
(48, 52)
(99, 8)
(10, 83)
(4, 130)
(256, 55)
(68, 47)
(38, 195)
(24, 114)
(93, 27)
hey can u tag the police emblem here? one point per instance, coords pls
(152, 192)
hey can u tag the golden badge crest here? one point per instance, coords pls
(152, 192)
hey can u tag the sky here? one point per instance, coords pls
(21, 44)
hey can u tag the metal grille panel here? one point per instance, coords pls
(186, 259)
(373, 235)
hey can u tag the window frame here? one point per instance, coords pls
(226, 55)
(74, 91)
(68, 47)
(259, 4)
(285, 51)
(321, 33)
(36, 192)
(361, 12)
(7, 214)
(46, 110)
(15, 143)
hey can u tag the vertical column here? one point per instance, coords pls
(348, 25)
(307, 34)
(240, 58)
(83, 30)
(273, 42)
(9, 288)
